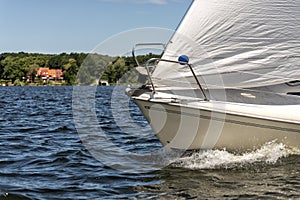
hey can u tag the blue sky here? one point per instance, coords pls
(56, 26)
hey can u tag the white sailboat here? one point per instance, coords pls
(230, 89)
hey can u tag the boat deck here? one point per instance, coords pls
(260, 97)
(246, 96)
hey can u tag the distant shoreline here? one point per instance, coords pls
(33, 69)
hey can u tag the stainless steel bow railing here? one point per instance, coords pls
(178, 62)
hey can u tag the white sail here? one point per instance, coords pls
(238, 43)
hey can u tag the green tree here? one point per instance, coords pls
(70, 71)
(12, 69)
(32, 71)
(58, 61)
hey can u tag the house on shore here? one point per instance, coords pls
(47, 74)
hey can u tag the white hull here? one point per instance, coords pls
(229, 88)
(205, 125)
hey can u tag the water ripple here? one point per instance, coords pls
(43, 157)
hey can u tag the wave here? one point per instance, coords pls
(270, 153)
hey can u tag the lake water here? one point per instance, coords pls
(59, 144)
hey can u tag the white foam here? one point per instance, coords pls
(270, 153)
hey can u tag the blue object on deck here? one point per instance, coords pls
(184, 59)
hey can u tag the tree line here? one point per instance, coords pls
(77, 68)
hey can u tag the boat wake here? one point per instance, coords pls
(270, 153)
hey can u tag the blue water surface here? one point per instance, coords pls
(42, 155)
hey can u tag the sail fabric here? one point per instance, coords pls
(235, 43)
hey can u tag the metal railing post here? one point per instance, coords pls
(178, 62)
